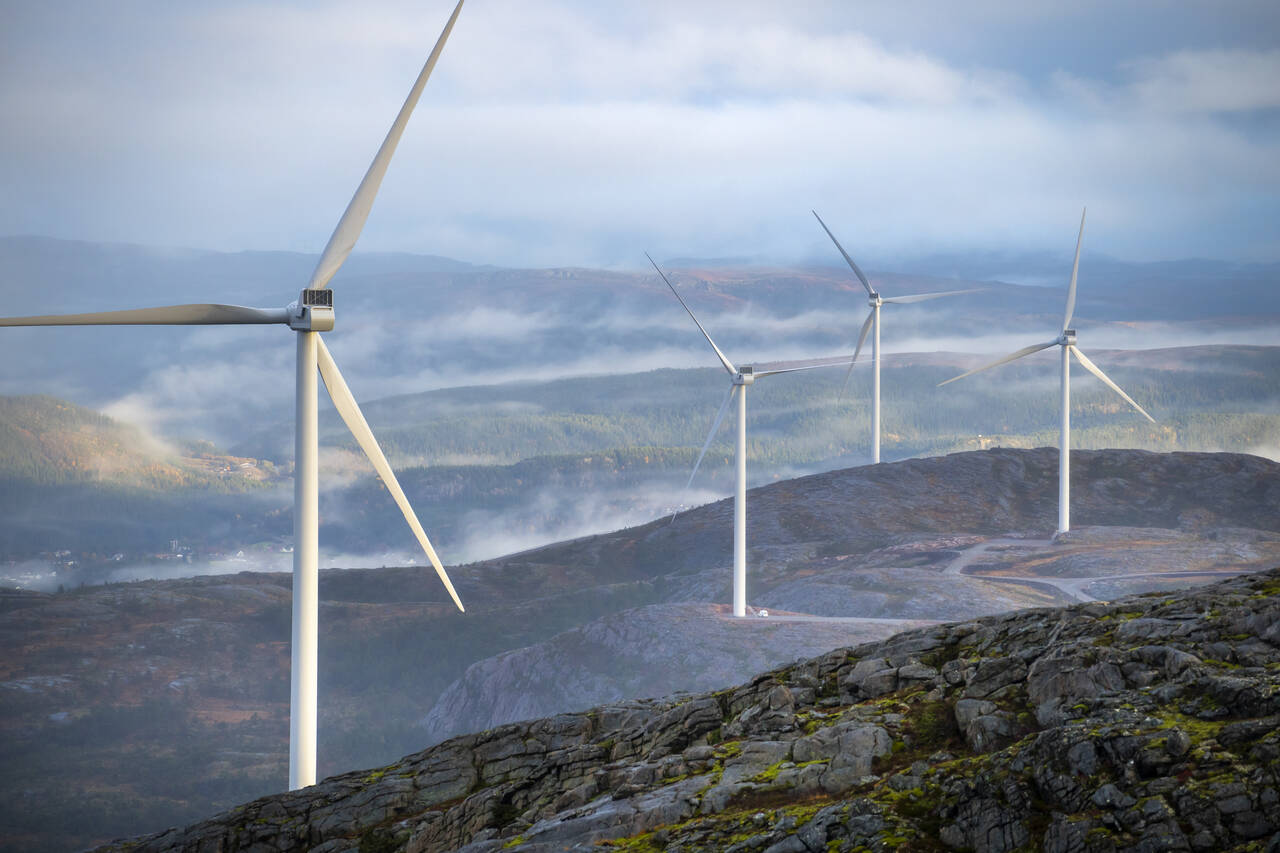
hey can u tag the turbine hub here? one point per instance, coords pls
(313, 312)
(746, 375)
(875, 300)
(1067, 338)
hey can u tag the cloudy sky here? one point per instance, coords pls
(558, 132)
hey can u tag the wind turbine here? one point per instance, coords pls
(740, 378)
(873, 320)
(311, 314)
(1066, 340)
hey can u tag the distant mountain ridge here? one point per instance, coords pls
(443, 323)
(94, 273)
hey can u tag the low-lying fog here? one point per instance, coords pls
(411, 325)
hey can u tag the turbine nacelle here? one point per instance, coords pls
(312, 312)
(875, 300)
(1067, 338)
(746, 375)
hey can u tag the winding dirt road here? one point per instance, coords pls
(1074, 587)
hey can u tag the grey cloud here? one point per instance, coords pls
(1209, 81)
(563, 132)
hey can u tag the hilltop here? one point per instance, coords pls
(77, 481)
(46, 441)
(142, 705)
(1150, 723)
(922, 539)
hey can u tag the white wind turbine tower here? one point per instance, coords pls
(310, 314)
(1066, 340)
(740, 378)
(873, 320)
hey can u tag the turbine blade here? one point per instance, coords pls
(345, 403)
(862, 335)
(1008, 358)
(770, 368)
(1097, 371)
(728, 365)
(711, 436)
(922, 297)
(1075, 269)
(715, 428)
(169, 315)
(344, 236)
(862, 339)
(862, 278)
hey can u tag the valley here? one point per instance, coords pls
(499, 469)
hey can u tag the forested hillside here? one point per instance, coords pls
(504, 467)
(72, 479)
(1198, 395)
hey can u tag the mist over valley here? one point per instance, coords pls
(526, 406)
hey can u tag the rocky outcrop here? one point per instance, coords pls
(1150, 723)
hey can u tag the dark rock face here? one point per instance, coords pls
(1151, 723)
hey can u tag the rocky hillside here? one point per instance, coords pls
(1150, 723)
(137, 706)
